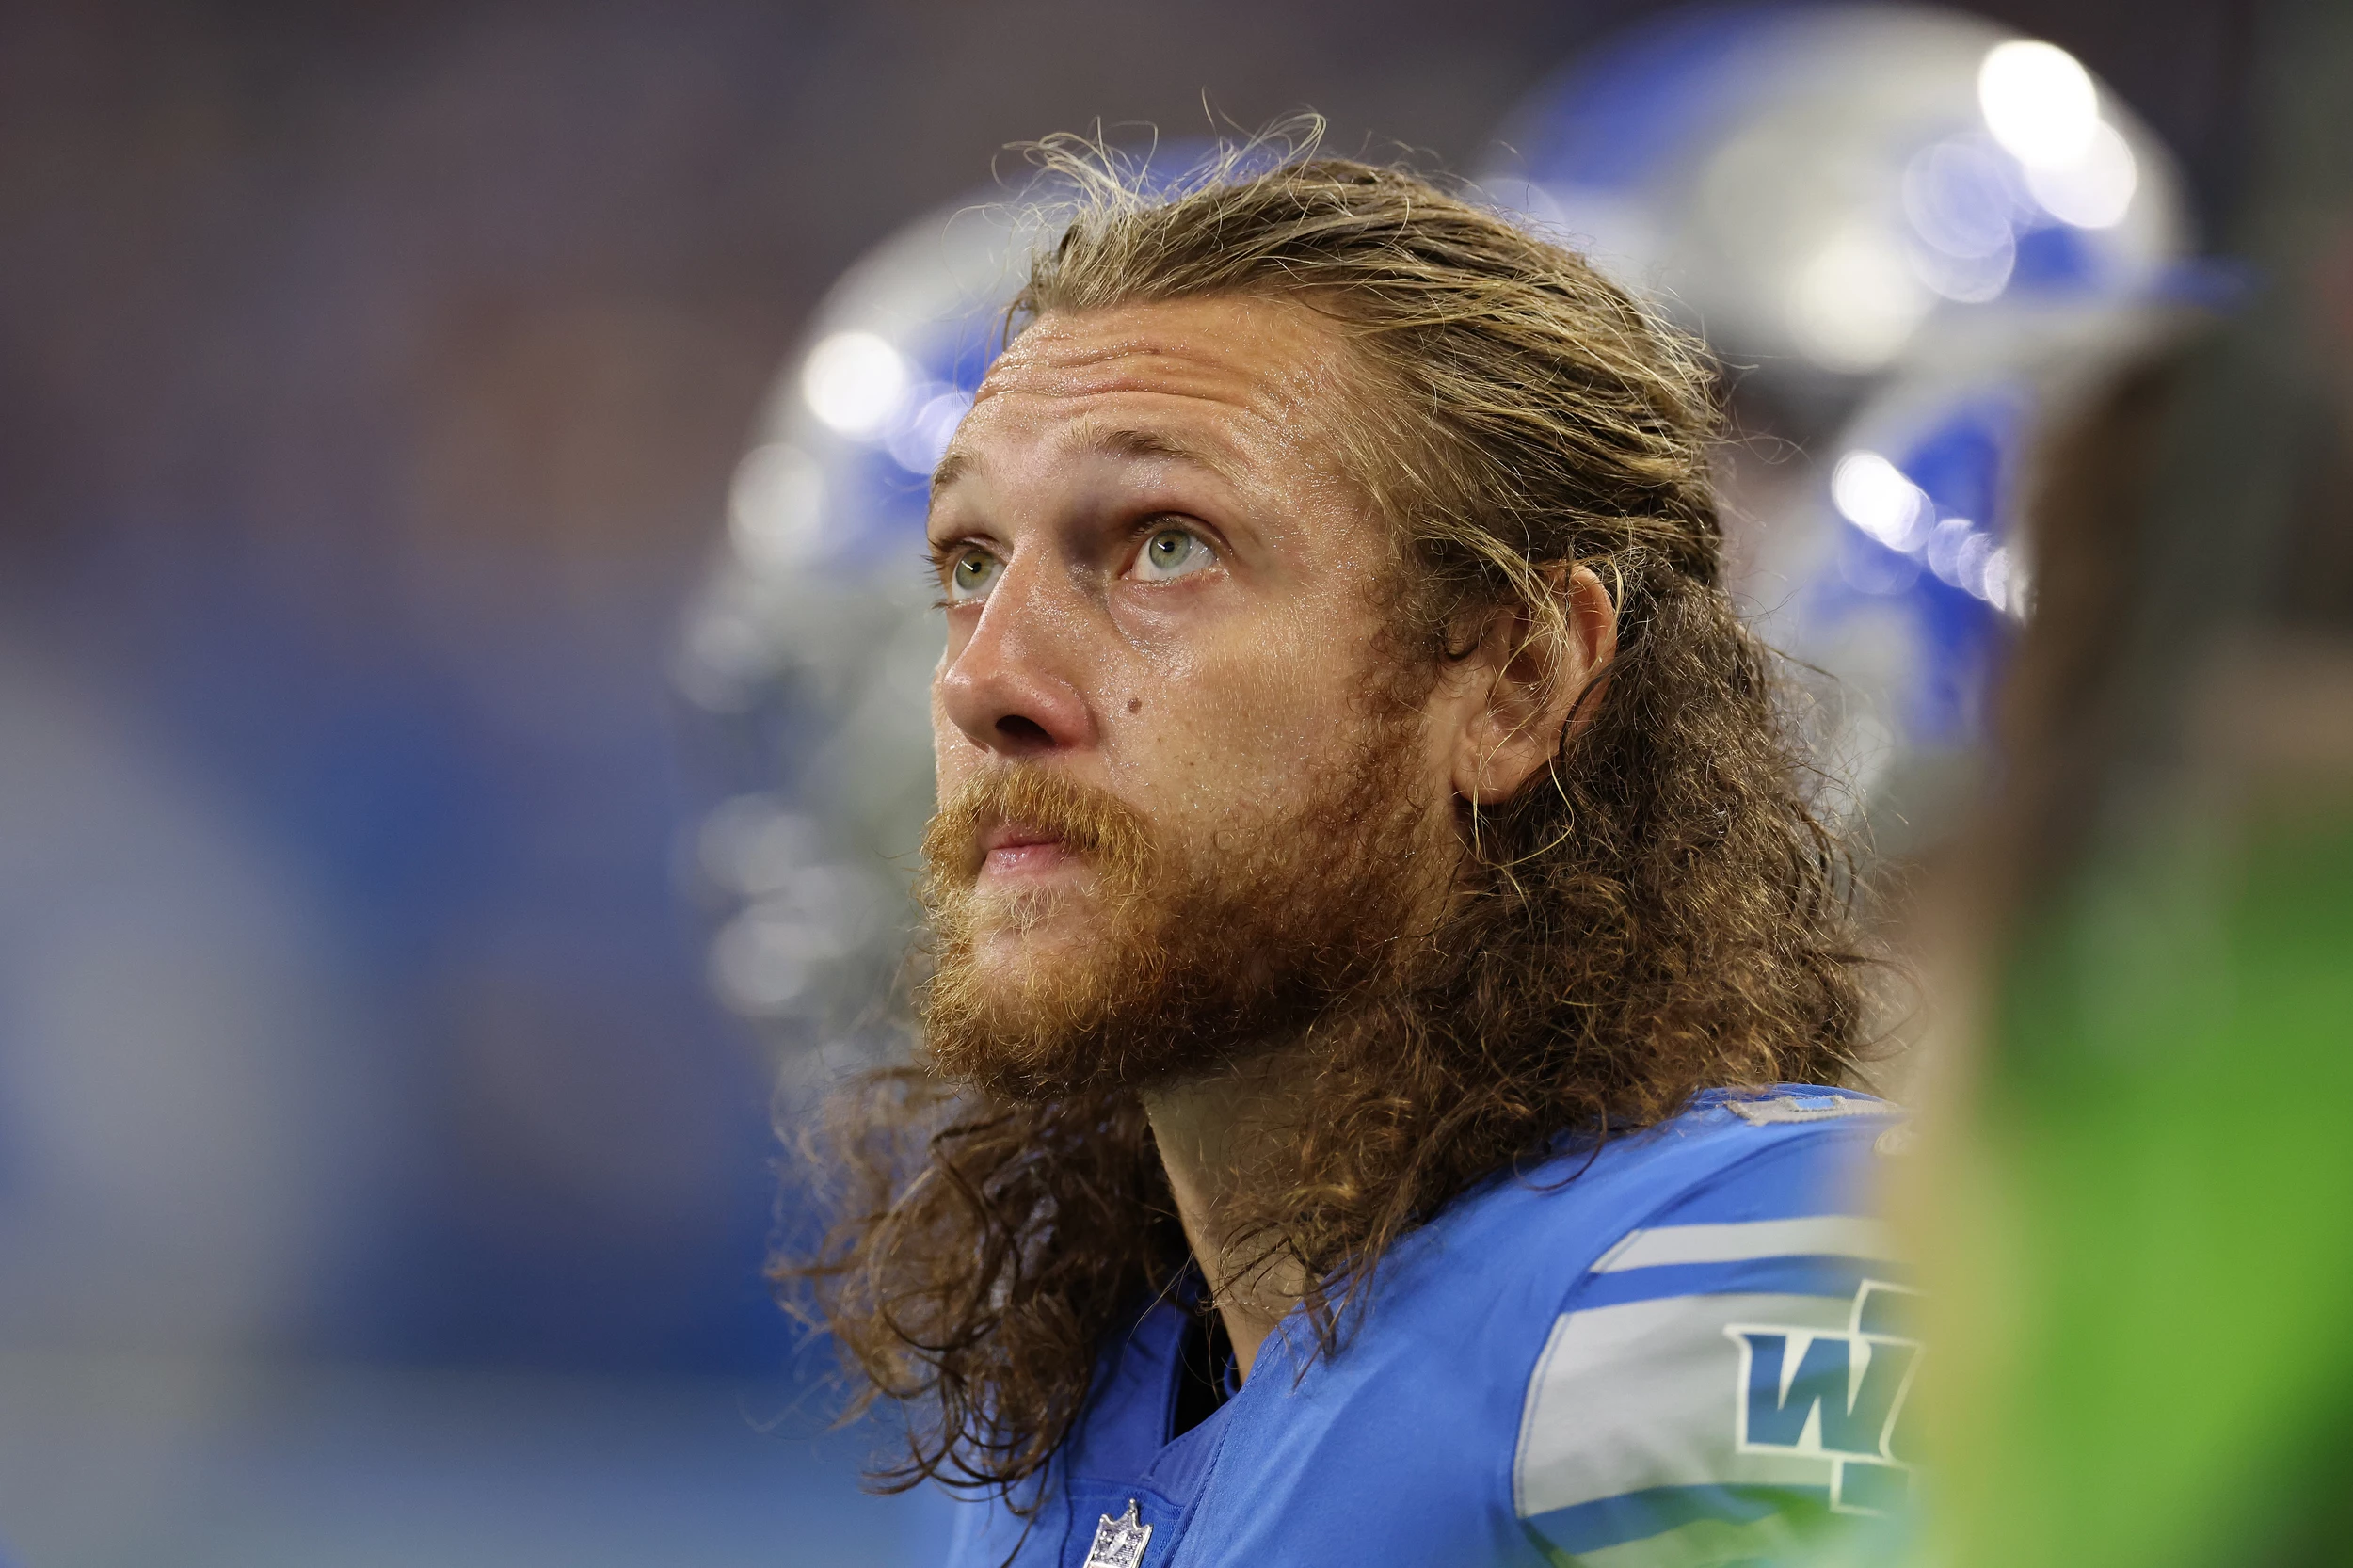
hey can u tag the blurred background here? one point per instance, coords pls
(459, 608)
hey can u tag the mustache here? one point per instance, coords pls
(1091, 822)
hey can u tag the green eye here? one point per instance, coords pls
(1172, 553)
(972, 575)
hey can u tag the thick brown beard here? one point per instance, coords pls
(1204, 953)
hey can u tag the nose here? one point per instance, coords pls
(1011, 688)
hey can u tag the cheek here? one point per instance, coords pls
(1255, 722)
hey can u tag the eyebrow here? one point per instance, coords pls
(951, 469)
(1121, 441)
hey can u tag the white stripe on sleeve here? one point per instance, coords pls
(1835, 1235)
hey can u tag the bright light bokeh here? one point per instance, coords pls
(1856, 303)
(2038, 101)
(1877, 498)
(1873, 494)
(1967, 279)
(1961, 198)
(2001, 577)
(855, 382)
(2093, 191)
(917, 442)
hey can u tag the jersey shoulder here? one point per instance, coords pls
(1547, 1371)
(1726, 1358)
(1791, 1153)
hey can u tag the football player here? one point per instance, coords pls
(1380, 1098)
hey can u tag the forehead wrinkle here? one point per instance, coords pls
(1254, 394)
(1251, 401)
(1093, 434)
(1215, 419)
(1058, 357)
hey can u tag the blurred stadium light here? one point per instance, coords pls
(1909, 235)
(1833, 191)
(2138, 1203)
(810, 643)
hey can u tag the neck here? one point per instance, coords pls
(1220, 1136)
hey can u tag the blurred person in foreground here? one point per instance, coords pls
(1378, 1100)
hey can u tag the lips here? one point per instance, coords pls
(1015, 848)
(1016, 836)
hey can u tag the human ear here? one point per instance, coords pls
(1518, 690)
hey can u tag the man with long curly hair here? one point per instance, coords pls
(1389, 989)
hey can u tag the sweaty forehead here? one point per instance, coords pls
(1259, 367)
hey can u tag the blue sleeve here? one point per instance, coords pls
(1725, 1381)
(1723, 1385)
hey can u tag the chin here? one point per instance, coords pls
(1031, 911)
(1017, 959)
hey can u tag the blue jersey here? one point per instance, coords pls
(1688, 1349)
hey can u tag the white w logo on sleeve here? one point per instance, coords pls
(1835, 1397)
(1722, 1393)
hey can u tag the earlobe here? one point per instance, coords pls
(1525, 696)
